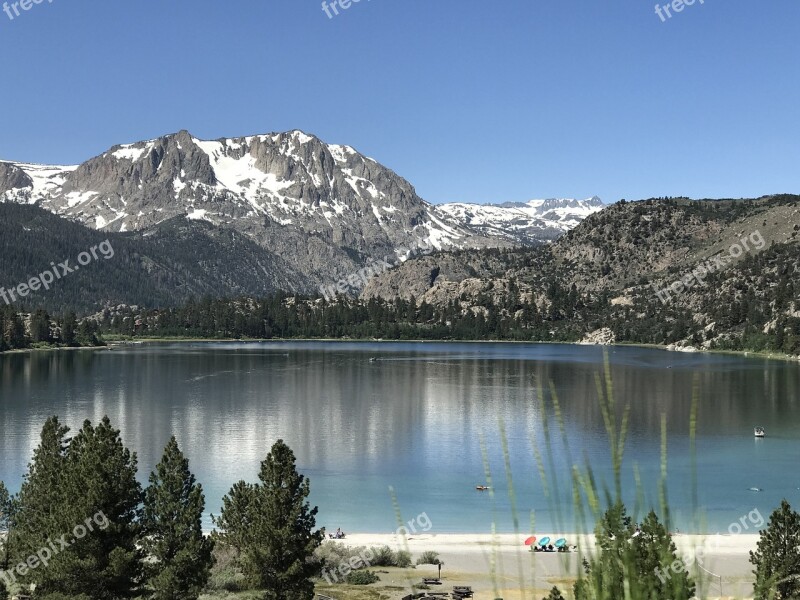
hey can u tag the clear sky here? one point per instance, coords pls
(472, 101)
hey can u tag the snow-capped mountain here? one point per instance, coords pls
(524, 222)
(326, 209)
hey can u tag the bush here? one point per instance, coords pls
(384, 557)
(402, 559)
(3, 591)
(225, 576)
(429, 557)
(362, 578)
(331, 554)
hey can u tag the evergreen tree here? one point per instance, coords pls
(41, 497)
(14, 332)
(40, 327)
(235, 521)
(100, 514)
(630, 565)
(656, 557)
(68, 326)
(777, 559)
(6, 522)
(280, 538)
(173, 534)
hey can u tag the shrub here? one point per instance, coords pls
(402, 559)
(225, 576)
(384, 557)
(331, 554)
(429, 557)
(362, 578)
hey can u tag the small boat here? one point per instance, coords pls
(759, 432)
(755, 489)
(481, 488)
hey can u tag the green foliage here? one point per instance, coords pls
(225, 576)
(640, 568)
(86, 493)
(272, 526)
(777, 559)
(331, 554)
(384, 556)
(173, 534)
(7, 509)
(362, 578)
(429, 557)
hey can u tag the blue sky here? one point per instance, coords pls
(470, 101)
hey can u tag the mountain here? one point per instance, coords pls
(166, 265)
(703, 273)
(324, 209)
(524, 223)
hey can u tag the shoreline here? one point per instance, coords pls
(112, 343)
(728, 544)
(501, 564)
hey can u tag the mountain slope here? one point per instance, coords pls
(729, 267)
(163, 266)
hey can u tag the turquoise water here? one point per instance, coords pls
(417, 417)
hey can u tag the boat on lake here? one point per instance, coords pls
(760, 433)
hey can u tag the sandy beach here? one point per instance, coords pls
(502, 565)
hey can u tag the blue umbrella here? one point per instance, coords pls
(560, 543)
(544, 541)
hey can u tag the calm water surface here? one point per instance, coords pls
(420, 417)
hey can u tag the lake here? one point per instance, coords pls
(427, 420)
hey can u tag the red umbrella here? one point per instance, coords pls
(530, 541)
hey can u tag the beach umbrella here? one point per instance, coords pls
(530, 541)
(544, 541)
(561, 542)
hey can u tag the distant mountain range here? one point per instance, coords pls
(317, 212)
(526, 223)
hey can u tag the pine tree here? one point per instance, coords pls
(777, 559)
(68, 326)
(173, 534)
(40, 327)
(635, 566)
(234, 522)
(41, 497)
(7, 510)
(656, 557)
(280, 537)
(100, 514)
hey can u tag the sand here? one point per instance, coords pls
(499, 566)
